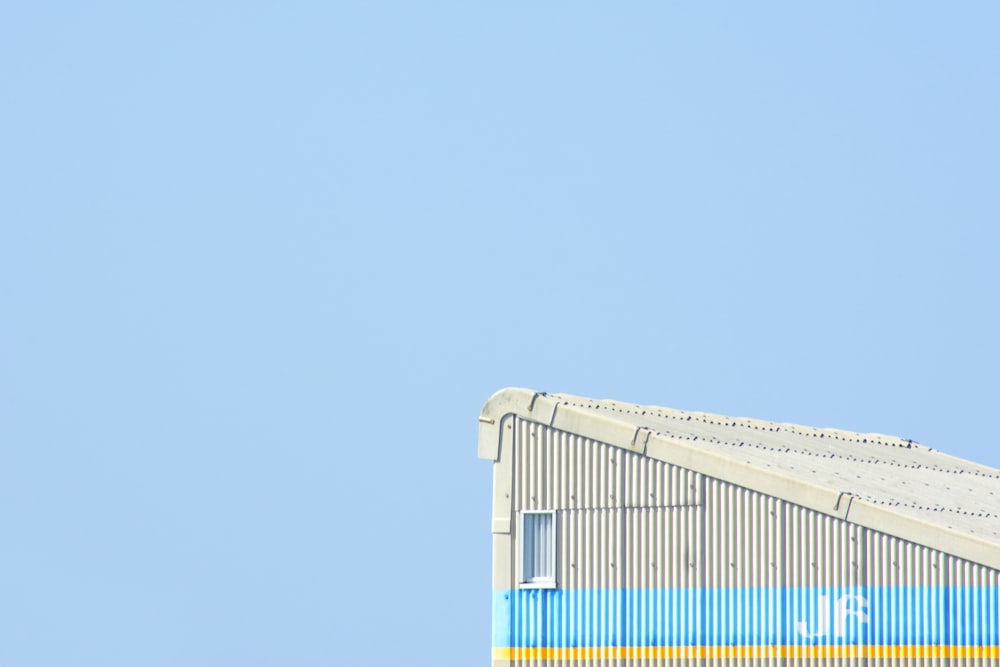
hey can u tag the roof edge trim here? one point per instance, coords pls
(885, 520)
(510, 401)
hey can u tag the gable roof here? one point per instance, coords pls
(888, 484)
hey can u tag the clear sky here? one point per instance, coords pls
(262, 263)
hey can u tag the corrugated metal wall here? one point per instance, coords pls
(657, 565)
(743, 548)
(822, 572)
(662, 560)
(560, 471)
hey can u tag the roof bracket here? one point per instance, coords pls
(640, 439)
(531, 405)
(850, 500)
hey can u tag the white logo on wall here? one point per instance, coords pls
(847, 605)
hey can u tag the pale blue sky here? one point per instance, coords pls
(262, 263)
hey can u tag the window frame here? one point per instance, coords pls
(536, 581)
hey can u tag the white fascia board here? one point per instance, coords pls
(912, 529)
(598, 427)
(769, 482)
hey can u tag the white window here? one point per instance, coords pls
(538, 549)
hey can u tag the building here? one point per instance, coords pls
(631, 535)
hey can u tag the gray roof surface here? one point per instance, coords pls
(886, 483)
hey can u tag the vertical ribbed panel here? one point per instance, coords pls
(589, 549)
(822, 551)
(904, 576)
(558, 470)
(743, 552)
(662, 579)
(652, 483)
(823, 573)
(972, 604)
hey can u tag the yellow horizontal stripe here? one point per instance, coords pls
(722, 652)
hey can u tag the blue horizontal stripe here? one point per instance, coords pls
(884, 616)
